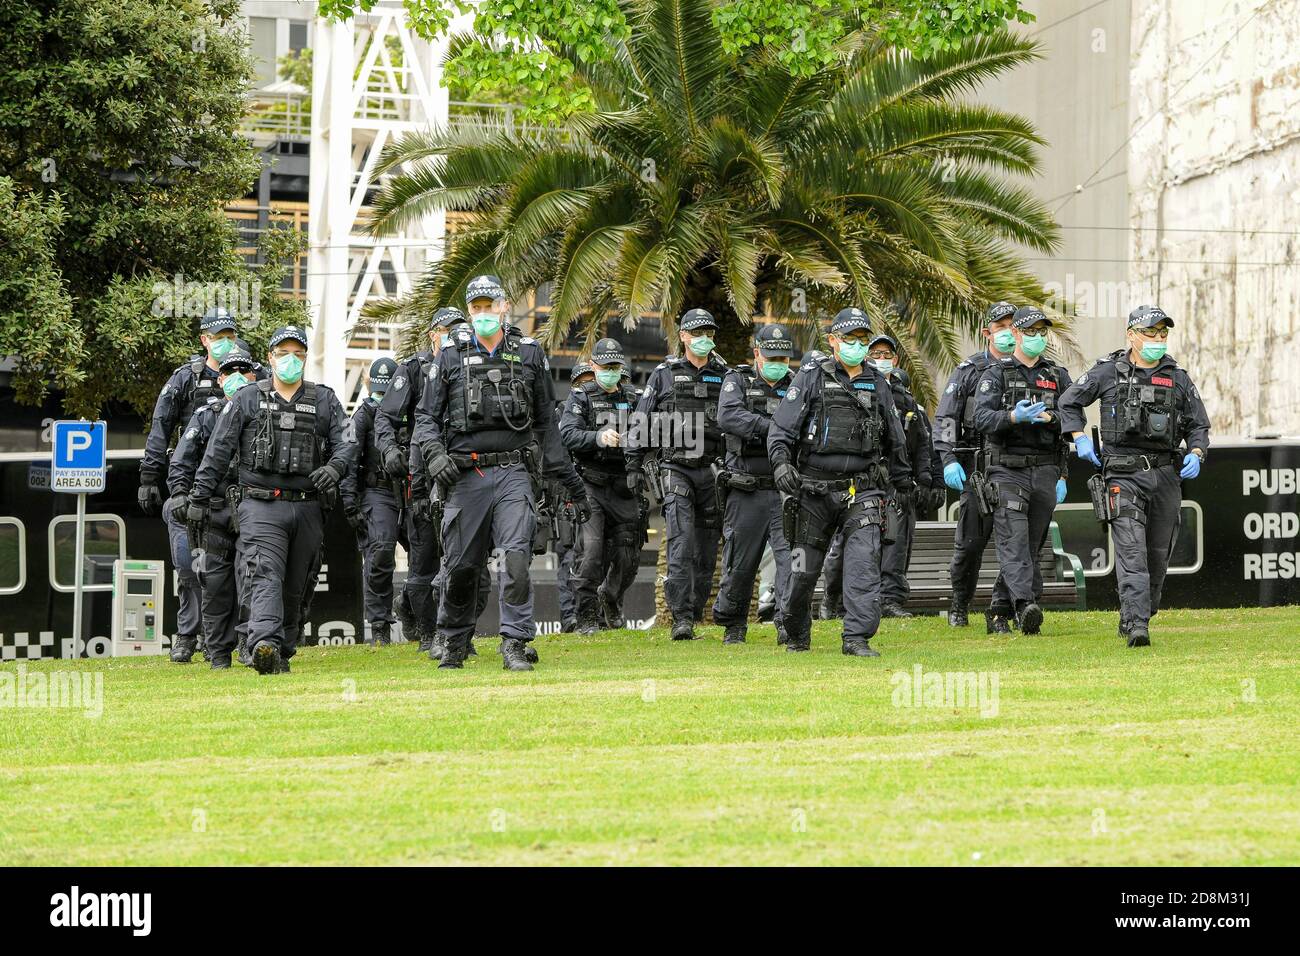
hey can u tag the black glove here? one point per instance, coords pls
(442, 469)
(326, 479)
(353, 515)
(150, 499)
(196, 520)
(787, 479)
(581, 508)
(905, 494)
(395, 464)
(636, 482)
(178, 502)
(938, 497)
(421, 508)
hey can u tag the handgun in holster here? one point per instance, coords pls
(1102, 508)
(790, 512)
(653, 472)
(720, 485)
(983, 490)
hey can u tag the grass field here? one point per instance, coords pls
(629, 749)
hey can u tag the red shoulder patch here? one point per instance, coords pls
(1046, 383)
(1162, 380)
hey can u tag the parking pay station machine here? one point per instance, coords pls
(137, 607)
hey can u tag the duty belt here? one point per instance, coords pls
(487, 459)
(744, 481)
(275, 494)
(1139, 462)
(602, 478)
(828, 486)
(1023, 461)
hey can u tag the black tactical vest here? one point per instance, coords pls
(695, 393)
(203, 388)
(1042, 383)
(848, 420)
(282, 440)
(372, 462)
(1144, 414)
(607, 410)
(760, 400)
(970, 435)
(494, 394)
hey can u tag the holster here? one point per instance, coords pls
(790, 517)
(1100, 501)
(233, 498)
(985, 495)
(892, 527)
(721, 484)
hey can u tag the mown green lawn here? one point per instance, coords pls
(627, 748)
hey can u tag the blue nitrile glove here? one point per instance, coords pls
(1026, 411)
(954, 476)
(1191, 466)
(1083, 448)
(1060, 490)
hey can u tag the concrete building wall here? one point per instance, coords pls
(1214, 177)
(1077, 96)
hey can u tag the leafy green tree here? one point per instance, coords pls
(118, 148)
(702, 179)
(529, 51)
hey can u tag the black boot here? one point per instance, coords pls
(450, 654)
(266, 658)
(1138, 636)
(201, 646)
(683, 631)
(241, 651)
(1029, 618)
(470, 649)
(1123, 629)
(610, 611)
(735, 634)
(284, 666)
(995, 621)
(957, 616)
(893, 609)
(381, 633)
(797, 643)
(437, 647)
(858, 647)
(219, 661)
(589, 618)
(424, 636)
(512, 655)
(183, 649)
(782, 638)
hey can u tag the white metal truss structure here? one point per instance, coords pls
(373, 82)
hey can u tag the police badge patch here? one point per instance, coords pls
(399, 383)
(189, 435)
(986, 386)
(729, 387)
(952, 387)
(791, 395)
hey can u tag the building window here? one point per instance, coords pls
(261, 35)
(105, 542)
(297, 36)
(13, 556)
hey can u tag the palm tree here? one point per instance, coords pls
(700, 181)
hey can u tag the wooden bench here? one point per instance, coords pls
(927, 572)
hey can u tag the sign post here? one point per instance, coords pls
(78, 466)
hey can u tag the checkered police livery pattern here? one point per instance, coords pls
(22, 646)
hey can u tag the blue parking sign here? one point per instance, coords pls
(80, 457)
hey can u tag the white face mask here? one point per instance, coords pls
(884, 365)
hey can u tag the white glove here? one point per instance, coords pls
(608, 438)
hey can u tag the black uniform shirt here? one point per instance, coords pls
(242, 412)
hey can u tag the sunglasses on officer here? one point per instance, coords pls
(1155, 332)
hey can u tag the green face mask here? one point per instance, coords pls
(702, 346)
(1154, 351)
(487, 325)
(1004, 340)
(1033, 345)
(852, 353)
(608, 378)
(288, 369)
(775, 371)
(233, 383)
(221, 348)
(377, 396)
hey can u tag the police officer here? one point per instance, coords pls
(568, 552)
(752, 513)
(190, 386)
(372, 503)
(217, 571)
(1155, 433)
(393, 421)
(959, 443)
(593, 426)
(1016, 408)
(294, 444)
(882, 352)
(837, 449)
(486, 418)
(681, 400)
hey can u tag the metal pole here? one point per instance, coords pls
(79, 572)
